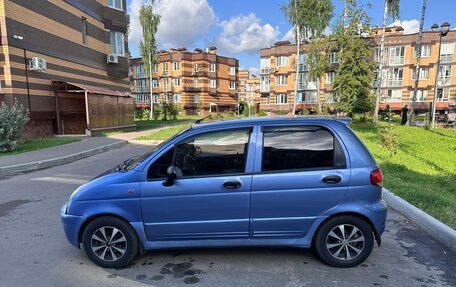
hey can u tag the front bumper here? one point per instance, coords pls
(71, 225)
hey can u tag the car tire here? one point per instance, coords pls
(110, 242)
(344, 241)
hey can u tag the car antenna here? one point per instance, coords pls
(198, 121)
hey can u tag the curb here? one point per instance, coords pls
(440, 231)
(31, 166)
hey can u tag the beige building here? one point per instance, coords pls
(198, 80)
(277, 73)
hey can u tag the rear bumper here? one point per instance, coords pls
(377, 213)
(71, 226)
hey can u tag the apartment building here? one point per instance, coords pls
(66, 62)
(278, 76)
(198, 80)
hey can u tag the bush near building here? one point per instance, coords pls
(12, 119)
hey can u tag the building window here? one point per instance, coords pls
(195, 67)
(330, 77)
(394, 95)
(195, 83)
(176, 98)
(424, 74)
(232, 85)
(139, 71)
(421, 95)
(155, 68)
(268, 100)
(425, 51)
(176, 82)
(377, 54)
(395, 77)
(443, 94)
(265, 65)
(282, 61)
(232, 71)
(116, 4)
(299, 97)
(117, 43)
(165, 67)
(165, 85)
(281, 99)
(308, 97)
(175, 66)
(84, 31)
(213, 83)
(396, 55)
(446, 54)
(213, 67)
(196, 98)
(303, 63)
(333, 58)
(155, 83)
(444, 75)
(282, 80)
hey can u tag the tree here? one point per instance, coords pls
(12, 119)
(390, 8)
(354, 76)
(318, 63)
(418, 67)
(148, 45)
(309, 17)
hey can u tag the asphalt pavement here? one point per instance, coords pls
(35, 252)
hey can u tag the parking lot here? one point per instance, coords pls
(35, 252)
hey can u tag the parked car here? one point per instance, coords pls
(301, 182)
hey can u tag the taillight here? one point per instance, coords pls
(376, 177)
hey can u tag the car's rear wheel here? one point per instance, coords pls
(110, 242)
(344, 241)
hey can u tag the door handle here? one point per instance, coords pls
(233, 184)
(332, 179)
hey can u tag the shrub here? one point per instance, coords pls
(281, 112)
(139, 113)
(389, 139)
(242, 108)
(174, 110)
(11, 121)
(304, 112)
(262, 113)
(157, 112)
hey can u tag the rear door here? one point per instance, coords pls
(300, 172)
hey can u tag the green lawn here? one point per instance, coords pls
(423, 171)
(36, 144)
(150, 124)
(164, 133)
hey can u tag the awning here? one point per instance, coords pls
(72, 88)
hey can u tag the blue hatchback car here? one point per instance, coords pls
(301, 182)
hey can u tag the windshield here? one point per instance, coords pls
(135, 161)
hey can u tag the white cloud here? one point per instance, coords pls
(245, 34)
(289, 36)
(181, 24)
(410, 26)
(254, 71)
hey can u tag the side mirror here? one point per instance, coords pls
(171, 172)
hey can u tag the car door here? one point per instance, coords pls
(300, 172)
(210, 198)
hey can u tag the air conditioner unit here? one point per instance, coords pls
(112, 59)
(36, 63)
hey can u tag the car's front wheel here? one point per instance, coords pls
(110, 242)
(344, 241)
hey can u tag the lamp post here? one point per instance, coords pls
(444, 29)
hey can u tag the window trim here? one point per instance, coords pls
(337, 146)
(119, 9)
(251, 136)
(84, 31)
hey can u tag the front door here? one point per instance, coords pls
(210, 198)
(300, 172)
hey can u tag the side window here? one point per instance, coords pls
(213, 153)
(159, 167)
(300, 148)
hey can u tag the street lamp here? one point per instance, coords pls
(444, 29)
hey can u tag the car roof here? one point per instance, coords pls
(271, 120)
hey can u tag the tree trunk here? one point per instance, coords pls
(151, 116)
(298, 47)
(318, 95)
(418, 59)
(380, 66)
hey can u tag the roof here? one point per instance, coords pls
(100, 90)
(273, 120)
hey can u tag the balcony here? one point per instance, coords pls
(394, 83)
(165, 74)
(302, 86)
(142, 90)
(396, 61)
(192, 89)
(303, 68)
(444, 81)
(446, 58)
(265, 88)
(265, 70)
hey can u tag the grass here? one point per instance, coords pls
(150, 124)
(423, 171)
(165, 133)
(36, 144)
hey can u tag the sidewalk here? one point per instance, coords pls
(130, 136)
(57, 155)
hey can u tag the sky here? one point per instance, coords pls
(239, 28)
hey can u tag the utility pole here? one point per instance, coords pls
(298, 50)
